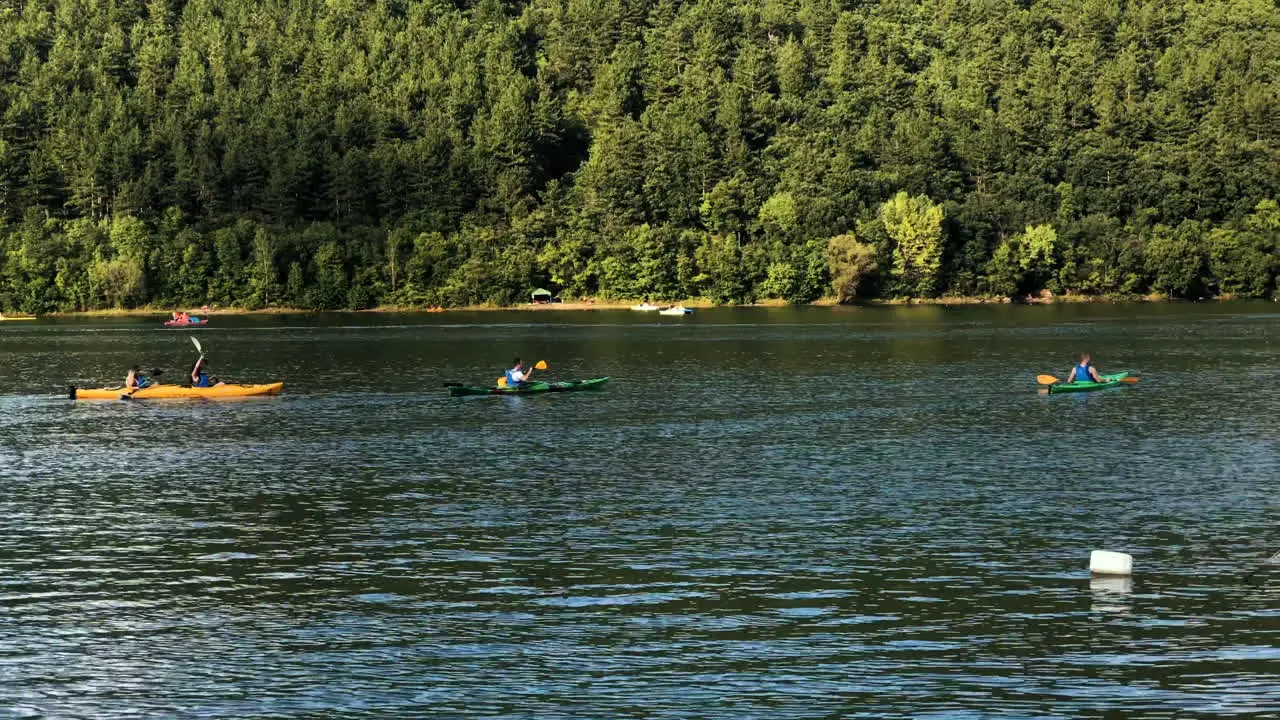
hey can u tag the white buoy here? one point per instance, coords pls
(1105, 562)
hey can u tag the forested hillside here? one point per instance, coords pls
(348, 153)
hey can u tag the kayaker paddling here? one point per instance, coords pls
(1084, 371)
(458, 389)
(135, 380)
(200, 375)
(518, 374)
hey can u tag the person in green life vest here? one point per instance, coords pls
(1084, 371)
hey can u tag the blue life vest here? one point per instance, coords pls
(511, 380)
(1083, 374)
(202, 380)
(143, 381)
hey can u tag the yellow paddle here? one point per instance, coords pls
(541, 365)
(1051, 380)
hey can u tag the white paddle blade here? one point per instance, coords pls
(197, 344)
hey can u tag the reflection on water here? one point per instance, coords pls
(1110, 594)
(796, 513)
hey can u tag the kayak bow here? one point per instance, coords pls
(532, 388)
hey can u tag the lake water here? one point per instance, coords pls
(781, 513)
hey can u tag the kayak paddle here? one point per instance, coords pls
(502, 381)
(198, 348)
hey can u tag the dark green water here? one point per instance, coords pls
(792, 513)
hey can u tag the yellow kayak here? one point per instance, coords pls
(176, 392)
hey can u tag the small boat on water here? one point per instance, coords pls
(645, 307)
(185, 323)
(176, 392)
(675, 310)
(532, 388)
(1108, 381)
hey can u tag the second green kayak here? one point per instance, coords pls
(532, 388)
(1109, 381)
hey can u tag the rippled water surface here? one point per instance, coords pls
(790, 513)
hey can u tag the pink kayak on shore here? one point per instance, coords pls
(184, 323)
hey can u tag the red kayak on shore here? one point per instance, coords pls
(184, 323)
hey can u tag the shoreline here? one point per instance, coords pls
(601, 304)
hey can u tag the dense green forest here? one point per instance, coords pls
(350, 153)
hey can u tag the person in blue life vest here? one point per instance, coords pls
(1084, 371)
(200, 374)
(518, 374)
(135, 380)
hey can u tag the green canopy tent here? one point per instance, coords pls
(541, 296)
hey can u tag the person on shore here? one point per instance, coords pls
(1084, 371)
(518, 374)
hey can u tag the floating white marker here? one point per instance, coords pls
(1105, 562)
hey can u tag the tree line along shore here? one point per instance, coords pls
(615, 304)
(353, 155)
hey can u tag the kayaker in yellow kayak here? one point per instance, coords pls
(518, 374)
(1085, 371)
(200, 375)
(135, 380)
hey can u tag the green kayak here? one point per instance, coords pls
(1110, 381)
(532, 388)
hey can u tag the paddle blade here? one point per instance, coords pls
(502, 382)
(1130, 380)
(197, 344)
(1046, 379)
(542, 365)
